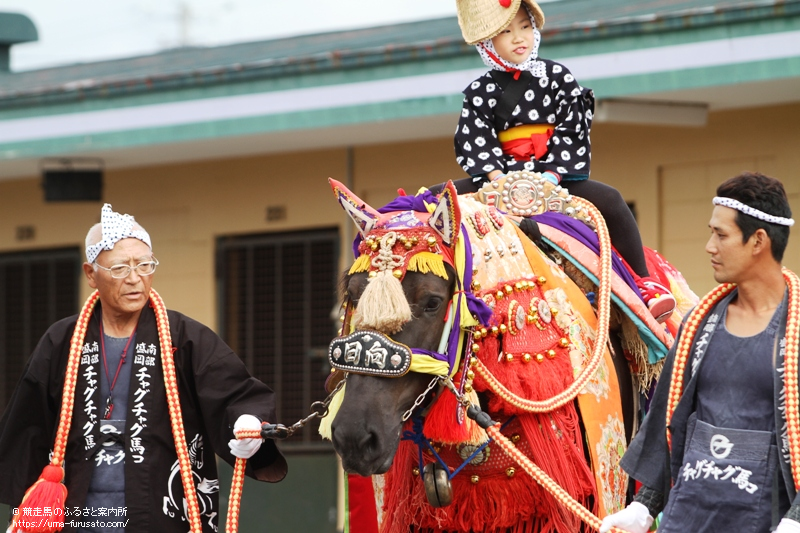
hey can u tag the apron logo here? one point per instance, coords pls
(720, 446)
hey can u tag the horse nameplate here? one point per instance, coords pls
(369, 352)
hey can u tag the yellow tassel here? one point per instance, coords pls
(361, 264)
(333, 408)
(383, 305)
(425, 262)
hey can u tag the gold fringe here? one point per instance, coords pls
(633, 344)
(425, 262)
(361, 264)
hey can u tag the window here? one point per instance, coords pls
(36, 289)
(278, 293)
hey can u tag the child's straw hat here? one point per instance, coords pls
(483, 19)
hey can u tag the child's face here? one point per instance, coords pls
(514, 43)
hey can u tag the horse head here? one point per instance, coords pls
(401, 285)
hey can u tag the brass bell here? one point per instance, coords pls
(437, 485)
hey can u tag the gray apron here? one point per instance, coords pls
(725, 483)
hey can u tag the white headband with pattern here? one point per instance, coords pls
(115, 228)
(752, 211)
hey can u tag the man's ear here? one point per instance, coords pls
(90, 273)
(761, 242)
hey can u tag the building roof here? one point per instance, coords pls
(391, 83)
(567, 21)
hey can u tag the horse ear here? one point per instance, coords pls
(362, 214)
(446, 218)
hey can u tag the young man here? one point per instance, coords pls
(117, 445)
(714, 450)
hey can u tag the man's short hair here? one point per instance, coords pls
(765, 194)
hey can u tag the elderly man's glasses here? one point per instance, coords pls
(145, 268)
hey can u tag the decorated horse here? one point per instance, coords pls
(474, 377)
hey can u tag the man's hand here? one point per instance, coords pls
(245, 448)
(788, 526)
(635, 518)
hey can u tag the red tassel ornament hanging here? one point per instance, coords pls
(505, 3)
(49, 492)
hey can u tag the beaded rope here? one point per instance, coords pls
(175, 415)
(752, 211)
(790, 379)
(548, 483)
(603, 318)
(71, 379)
(237, 483)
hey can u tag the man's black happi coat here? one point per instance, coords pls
(215, 389)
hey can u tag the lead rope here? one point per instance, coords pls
(790, 378)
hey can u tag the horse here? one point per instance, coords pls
(451, 310)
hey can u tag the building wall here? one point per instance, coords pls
(670, 173)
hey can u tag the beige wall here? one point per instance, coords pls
(186, 207)
(687, 164)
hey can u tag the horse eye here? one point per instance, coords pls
(433, 304)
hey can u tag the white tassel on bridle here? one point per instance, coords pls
(383, 305)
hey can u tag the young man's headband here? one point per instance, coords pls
(752, 211)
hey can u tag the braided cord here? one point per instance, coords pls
(541, 477)
(175, 415)
(237, 483)
(790, 378)
(683, 351)
(603, 318)
(71, 379)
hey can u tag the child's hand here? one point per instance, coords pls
(494, 175)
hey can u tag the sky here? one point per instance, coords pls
(91, 30)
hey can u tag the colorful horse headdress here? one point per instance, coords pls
(420, 233)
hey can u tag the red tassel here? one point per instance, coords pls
(441, 422)
(49, 492)
(505, 3)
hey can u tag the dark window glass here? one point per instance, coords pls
(36, 289)
(278, 293)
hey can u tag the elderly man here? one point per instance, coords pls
(124, 446)
(719, 449)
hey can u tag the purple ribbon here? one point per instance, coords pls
(588, 238)
(410, 203)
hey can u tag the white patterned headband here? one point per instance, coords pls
(752, 211)
(115, 227)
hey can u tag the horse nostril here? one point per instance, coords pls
(368, 441)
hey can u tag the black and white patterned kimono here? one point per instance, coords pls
(555, 99)
(214, 387)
